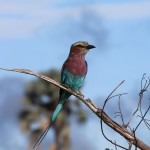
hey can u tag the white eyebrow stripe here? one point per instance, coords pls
(80, 43)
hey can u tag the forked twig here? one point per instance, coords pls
(119, 113)
(142, 118)
(130, 146)
(101, 121)
(143, 89)
(97, 111)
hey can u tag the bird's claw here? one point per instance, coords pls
(69, 89)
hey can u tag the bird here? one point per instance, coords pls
(73, 73)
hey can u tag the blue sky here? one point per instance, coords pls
(37, 35)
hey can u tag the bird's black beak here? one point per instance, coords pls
(90, 46)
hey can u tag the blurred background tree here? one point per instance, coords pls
(39, 102)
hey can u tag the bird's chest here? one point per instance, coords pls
(73, 81)
(76, 66)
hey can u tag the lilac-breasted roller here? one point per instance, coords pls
(73, 73)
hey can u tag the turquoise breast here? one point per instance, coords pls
(72, 81)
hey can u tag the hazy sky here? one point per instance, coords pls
(37, 35)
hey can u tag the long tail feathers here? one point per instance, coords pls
(54, 116)
(40, 139)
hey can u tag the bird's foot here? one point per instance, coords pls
(79, 92)
(70, 90)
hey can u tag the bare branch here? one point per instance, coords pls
(112, 93)
(115, 145)
(101, 121)
(97, 111)
(143, 89)
(119, 114)
(117, 95)
(130, 146)
(135, 140)
(148, 125)
(142, 118)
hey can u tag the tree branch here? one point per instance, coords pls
(101, 121)
(97, 111)
(143, 90)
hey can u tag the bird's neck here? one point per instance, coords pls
(76, 64)
(78, 55)
(77, 58)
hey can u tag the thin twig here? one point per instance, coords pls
(143, 89)
(135, 139)
(130, 146)
(115, 145)
(142, 118)
(97, 111)
(120, 112)
(113, 92)
(101, 121)
(117, 95)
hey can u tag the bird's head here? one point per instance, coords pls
(80, 48)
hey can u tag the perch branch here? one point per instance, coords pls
(97, 111)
